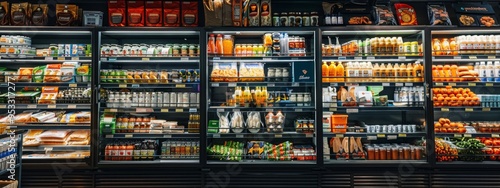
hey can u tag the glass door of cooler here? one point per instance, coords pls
(149, 96)
(373, 96)
(46, 89)
(261, 97)
(466, 95)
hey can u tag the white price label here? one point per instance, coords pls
(495, 135)
(445, 109)
(231, 85)
(220, 110)
(380, 135)
(370, 58)
(298, 109)
(271, 85)
(216, 135)
(469, 109)
(136, 85)
(167, 136)
(342, 58)
(491, 57)
(467, 135)
(267, 59)
(358, 58)
(61, 58)
(489, 84)
(48, 149)
(408, 84)
(75, 59)
(392, 137)
(386, 84)
(452, 84)
(399, 84)
(457, 135)
(215, 84)
(141, 110)
(371, 137)
(73, 85)
(239, 136)
(457, 57)
(402, 58)
(129, 136)
(472, 84)
(72, 106)
(333, 109)
(184, 58)
(49, 58)
(216, 58)
(179, 110)
(278, 136)
(193, 110)
(164, 110)
(295, 84)
(402, 135)
(309, 135)
(439, 84)
(339, 135)
(472, 57)
(334, 84)
(32, 106)
(180, 85)
(486, 109)
(352, 110)
(51, 106)
(269, 110)
(236, 110)
(113, 110)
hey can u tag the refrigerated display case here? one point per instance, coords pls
(149, 96)
(261, 96)
(373, 96)
(465, 95)
(46, 75)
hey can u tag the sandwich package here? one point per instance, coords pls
(438, 15)
(406, 14)
(154, 16)
(25, 74)
(116, 13)
(384, 15)
(19, 14)
(190, 13)
(39, 14)
(52, 73)
(66, 15)
(4, 13)
(172, 13)
(213, 12)
(135, 13)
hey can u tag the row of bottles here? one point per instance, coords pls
(247, 97)
(367, 72)
(488, 71)
(373, 46)
(180, 150)
(466, 44)
(128, 151)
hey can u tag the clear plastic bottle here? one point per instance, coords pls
(490, 72)
(497, 71)
(482, 71)
(396, 72)
(332, 72)
(389, 72)
(383, 74)
(369, 68)
(339, 72)
(325, 72)
(376, 72)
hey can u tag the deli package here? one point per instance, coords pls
(4, 13)
(135, 13)
(406, 14)
(213, 12)
(19, 14)
(172, 13)
(475, 14)
(189, 13)
(116, 13)
(66, 15)
(438, 15)
(154, 16)
(384, 15)
(39, 14)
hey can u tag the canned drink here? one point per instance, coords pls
(159, 99)
(154, 99)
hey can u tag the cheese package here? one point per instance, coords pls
(52, 73)
(251, 72)
(135, 13)
(154, 16)
(406, 14)
(172, 13)
(116, 13)
(49, 95)
(25, 74)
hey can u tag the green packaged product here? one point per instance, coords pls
(213, 126)
(38, 73)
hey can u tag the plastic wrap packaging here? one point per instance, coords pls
(213, 12)
(384, 15)
(254, 124)
(438, 15)
(237, 122)
(223, 122)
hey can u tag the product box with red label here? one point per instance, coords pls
(172, 13)
(135, 13)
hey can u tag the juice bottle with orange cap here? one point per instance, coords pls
(332, 72)
(340, 72)
(325, 72)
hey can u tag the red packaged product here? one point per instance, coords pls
(172, 13)
(189, 13)
(135, 13)
(406, 14)
(154, 16)
(116, 13)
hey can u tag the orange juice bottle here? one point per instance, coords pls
(376, 72)
(409, 72)
(445, 45)
(237, 50)
(325, 72)
(332, 72)
(395, 72)
(403, 76)
(211, 45)
(249, 50)
(340, 72)
(383, 74)
(418, 71)
(218, 45)
(436, 47)
(228, 46)
(389, 72)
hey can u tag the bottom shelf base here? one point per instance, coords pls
(261, 162)
(158, 161)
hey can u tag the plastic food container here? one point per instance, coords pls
(339, 123)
